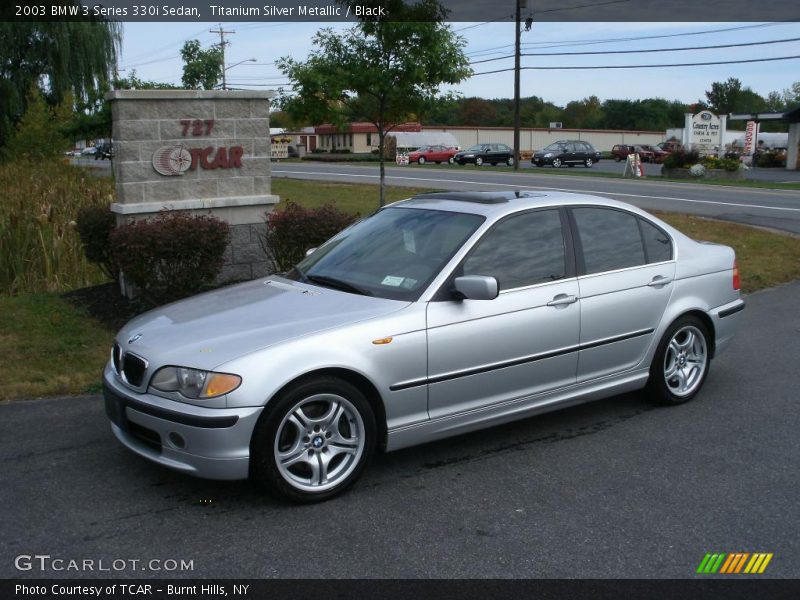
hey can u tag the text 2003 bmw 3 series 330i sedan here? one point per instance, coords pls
(437, 315)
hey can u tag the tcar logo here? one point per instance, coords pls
(172, 160)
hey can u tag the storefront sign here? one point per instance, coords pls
(705, 134)
(176, 159)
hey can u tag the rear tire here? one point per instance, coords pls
(451, 160)
(313, 440)
(681, 362)
(588, 163)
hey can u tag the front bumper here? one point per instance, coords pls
(206, 442)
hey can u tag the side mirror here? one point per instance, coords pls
(476, 287)
(310, 251)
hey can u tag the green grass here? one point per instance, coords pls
(361, 198)
(48, 347)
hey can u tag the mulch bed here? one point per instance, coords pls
(105, 304)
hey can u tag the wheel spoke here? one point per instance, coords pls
(687, 343)
(301, 420)
(332, 417)
(334, 449)
(294, 455)
(680, 374)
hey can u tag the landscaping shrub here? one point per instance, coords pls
(293, 230)
(682, 159)
(171, 256)
(94, 225)
(40, 250)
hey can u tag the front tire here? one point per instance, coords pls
(313, 440)
(421, 160)
(510, 161)
(681, 363)
(556, 163)
(478, 161)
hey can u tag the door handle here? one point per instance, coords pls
(562, 300)
(659, 281)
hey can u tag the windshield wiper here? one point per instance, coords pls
(337, 284)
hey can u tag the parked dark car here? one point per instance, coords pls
(103, 151)
(567, 152)
(486, 153)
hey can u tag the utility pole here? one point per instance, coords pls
(221, 46)
(517, 35)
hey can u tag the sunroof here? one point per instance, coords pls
(479, 197)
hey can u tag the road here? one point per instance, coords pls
(778, 209)
(616, 488)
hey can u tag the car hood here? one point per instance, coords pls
(213, 328)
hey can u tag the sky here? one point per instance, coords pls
(152, 50)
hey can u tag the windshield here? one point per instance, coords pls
(477, 148)
(394, 254)
(557, 147)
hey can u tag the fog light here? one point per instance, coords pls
(176, 439)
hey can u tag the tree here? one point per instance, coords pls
(61, 58)
(202, 69)
(729, 97)
(380, 71)
(791, 95)
(40, 132)
(92, 117)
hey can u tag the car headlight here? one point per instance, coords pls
(468, 155)
(548, 155)
(194, 383)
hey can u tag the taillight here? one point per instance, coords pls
(736, 282)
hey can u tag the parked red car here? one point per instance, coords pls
(621, 152)
(437, 154)
(657, 153)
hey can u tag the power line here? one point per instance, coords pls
(559, 43)
(604, 52)
(699, 64)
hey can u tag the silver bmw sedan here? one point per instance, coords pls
(437, 315)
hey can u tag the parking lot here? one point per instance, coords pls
(617, 488)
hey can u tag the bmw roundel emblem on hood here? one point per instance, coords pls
(134, 338)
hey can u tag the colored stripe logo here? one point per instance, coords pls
(734, 562)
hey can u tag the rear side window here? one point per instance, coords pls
(521, 250)
(657, 244)
(610, 239)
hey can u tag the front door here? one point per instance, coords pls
(485, 352)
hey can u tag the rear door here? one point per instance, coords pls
(485, 352)
(626, 271)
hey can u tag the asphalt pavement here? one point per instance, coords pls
(613, 489)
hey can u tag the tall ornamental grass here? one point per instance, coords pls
(40, 249)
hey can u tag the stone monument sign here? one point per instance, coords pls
(207, 152)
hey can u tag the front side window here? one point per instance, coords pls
(522, 250)
(394, 254)
(610, 239)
